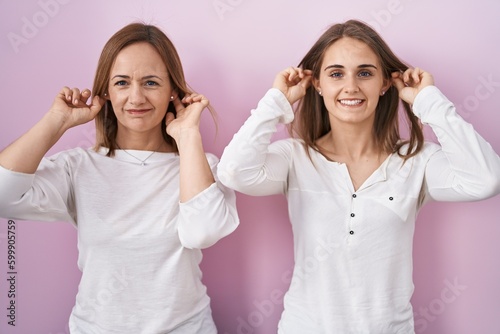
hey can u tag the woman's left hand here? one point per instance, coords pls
(188, 111)
(411, 82)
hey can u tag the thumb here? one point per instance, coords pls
(178, 105)
(398, 82)
(169, 118)
(97, 104)
(306, 82)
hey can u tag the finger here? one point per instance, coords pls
(75, 93)
(178, 105)
(307, 72)
(416, 75)
(198, 98)
(303, 73)
(427, 79)
(169, 118)
(194, 98)
(306, 82)
(96, 104)
(407, 75)
(67, 93)
(188, 99)
(86, 93)
(396, 74)
(203, 100)
(294, 75)
(398, 82)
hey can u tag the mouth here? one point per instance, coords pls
(351, 102)
(137, 111)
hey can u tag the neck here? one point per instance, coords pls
(141, 141)
(349, 143)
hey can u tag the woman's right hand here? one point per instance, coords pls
(70, 105)
(293, 82)
(68, 110)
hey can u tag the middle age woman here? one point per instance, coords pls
(144, 200)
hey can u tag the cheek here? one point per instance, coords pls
(162, 104)
(115, 97)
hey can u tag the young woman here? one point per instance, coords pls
(353, 185)
(144, 200)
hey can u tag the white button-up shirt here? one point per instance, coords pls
(353, 249)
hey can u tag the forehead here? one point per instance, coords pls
(142, 57)
(349, 51)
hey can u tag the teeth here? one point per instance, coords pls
(351, 102)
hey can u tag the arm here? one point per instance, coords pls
(207, 209)
(209, 216)
(195, 172)
(250, 163)
(466, 168)
(44, 196)
(68, 110)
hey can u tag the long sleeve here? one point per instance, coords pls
(43, 196)
(209, 216)
(466, 168)
(250, 163)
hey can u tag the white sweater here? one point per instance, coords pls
(353, 249)
(139, 248)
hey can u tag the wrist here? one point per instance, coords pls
(187, 136)
(55, 123)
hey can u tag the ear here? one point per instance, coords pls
(173, 95)
(386, 86)
(315, 83)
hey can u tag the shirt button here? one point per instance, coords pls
(354, 195)
(352, 214)
(391, 198)
(351, 232)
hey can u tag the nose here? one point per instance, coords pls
(136, 96)
(351, 84)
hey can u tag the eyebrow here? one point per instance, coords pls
(121, 76)
(342, 66)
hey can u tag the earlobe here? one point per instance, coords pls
(173, 95)
(315, 83)
(386, 87)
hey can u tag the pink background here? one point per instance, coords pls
(231, 51)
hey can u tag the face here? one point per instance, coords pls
(139, 89)
(351, 82)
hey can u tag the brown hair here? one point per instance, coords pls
(106, 122)
(312, 120)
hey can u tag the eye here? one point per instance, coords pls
(365, 74)
(336, 75)
(120, 83)
(151, 83)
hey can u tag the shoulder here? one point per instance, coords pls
(71, 154)
(290, 145)
(428, 149)
(71, 158)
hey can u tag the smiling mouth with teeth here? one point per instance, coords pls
(351, 102)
